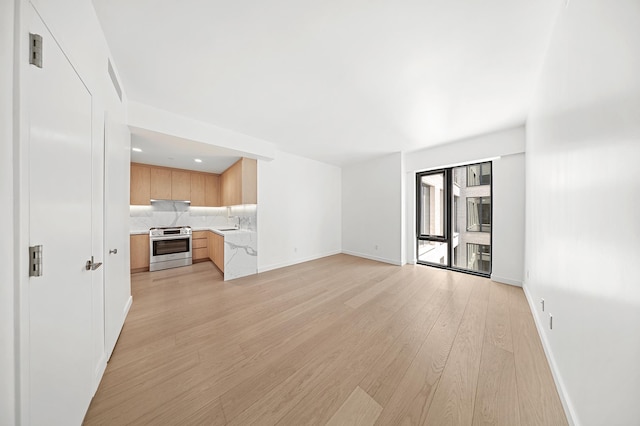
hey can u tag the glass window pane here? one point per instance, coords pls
(471, 216)
(485, 214)
(479, 174)
(485, 177)
(433, 252)
(478, 258)
(473, 175)
(432, 198)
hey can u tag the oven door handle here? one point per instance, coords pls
(172, 237)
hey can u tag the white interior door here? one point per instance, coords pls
(61, 339)
(117, 289)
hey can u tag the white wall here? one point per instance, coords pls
(299, 214)
(582, 225)
(508, 219)
(7, 281)
(490, 145)
(506, 148)
(372, 214)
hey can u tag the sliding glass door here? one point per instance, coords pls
(454, 218)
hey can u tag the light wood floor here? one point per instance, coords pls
(339, 341)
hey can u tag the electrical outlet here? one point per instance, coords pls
(295, 249)
(542, 303)
(375, 247)
(550, 322)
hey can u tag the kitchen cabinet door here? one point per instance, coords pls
(219, 251)
(239, 183)
(180, 185)
(211, 245)
(139, 252)
(140, 185)
(198, 189)
(160, 184)
(232, 185)
(211, 190)
(249, 181)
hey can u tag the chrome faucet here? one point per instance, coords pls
(238, 224)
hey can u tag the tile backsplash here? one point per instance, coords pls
(171, 213)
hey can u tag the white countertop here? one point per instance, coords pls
(219, 232)
(215, 230)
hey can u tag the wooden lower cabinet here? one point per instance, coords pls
(139, 252)
(206, 245)
(200, 241)
(216, 250)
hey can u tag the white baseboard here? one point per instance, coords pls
(564, 397)
(97, 378)
(296, 261)
(125, 311)
(509, 281)
(370, 257)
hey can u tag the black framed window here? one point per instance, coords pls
(433, 221)
(454, 218)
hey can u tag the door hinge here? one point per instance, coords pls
(35, 261)
(35, 50)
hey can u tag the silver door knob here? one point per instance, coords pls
(91, 265)
(114, 251)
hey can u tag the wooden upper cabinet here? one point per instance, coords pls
(140, 189)
(180, 185)
(198, 189)
(240, 183)
(211, 190)
(249, 181)
(163, 183)
(160, 183)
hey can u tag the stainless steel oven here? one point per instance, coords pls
(169, 247)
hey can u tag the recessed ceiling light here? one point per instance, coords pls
(197, 160)
(136, 149)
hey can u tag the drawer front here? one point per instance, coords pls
(198, 234)
(200, 243)
(200, 253)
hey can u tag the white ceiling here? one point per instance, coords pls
(170, 151)
(333, 80)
